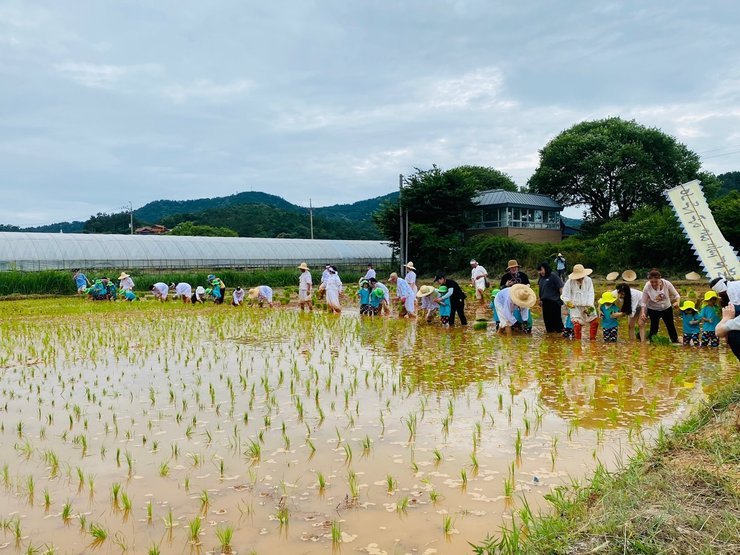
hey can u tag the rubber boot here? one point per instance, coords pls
(593, 327)
(577, 330)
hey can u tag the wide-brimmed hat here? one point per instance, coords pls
(209, 277)
(612, 276)
(629, 275)
(710, 295)
(303, 266)
(425, 290)
(560, 254)
(693, 276)
(687, 305)
(580, 272)
(410, 266)
(123, 275)
(523, 296)
(607, 297)
(393, 275)
(511, 264)
(254, 292)
(473, 261)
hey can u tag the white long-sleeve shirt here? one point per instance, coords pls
(126, 284)
(403, 289)
(183, 290)
(370, 274)
(582, 296)
(661, 298)
(505, 308)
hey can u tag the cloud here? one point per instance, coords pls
(100, 76)
(207, 91)
(481, 88)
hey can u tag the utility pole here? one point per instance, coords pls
(310, 213)
(130, 208)
(401, 240)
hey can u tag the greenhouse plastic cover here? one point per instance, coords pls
(57, 251)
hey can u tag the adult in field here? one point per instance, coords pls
(729, 327)
(183, 291)
(456, 296)
(560, 265)
(370, 274)
(334, 287)
(305, 288)
(405, 295)
(579, 296)
(659, 298)
(199, 295)
(728, 291)
(478, 275)
(160, 291)
(125, 283)
(262, 294)
(427, 295)
(508, 300)
(81, 281)
(237, 297)
(632, 308)
(385, 303)
(322, 284)
(411, 276)
(513, 276)
(551, 287)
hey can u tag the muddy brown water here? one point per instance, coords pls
(229, 417)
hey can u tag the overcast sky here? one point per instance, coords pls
(106, 102)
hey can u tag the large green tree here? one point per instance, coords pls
(436, 202)
(613, 167)
(189, 228)
(484, 178)
(110, 223)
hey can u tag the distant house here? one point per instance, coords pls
(151, 230)
(523, 216)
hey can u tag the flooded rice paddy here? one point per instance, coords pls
(178, 429)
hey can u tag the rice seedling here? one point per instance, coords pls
(391, 484)
(463, 478)
(154, 550)
(321, 481)
(66, 512)
(194, 529)
(225, 536)
(164, 469)
(354, 487)
(125, 502)
(447, 524)
(169, 519)
(98, 532)
(402, 505)
(336, 533)
(149, 511)
(434, 496)
(205, 501)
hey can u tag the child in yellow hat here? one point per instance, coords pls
(710, 316)
(691, 321)
(609, 314)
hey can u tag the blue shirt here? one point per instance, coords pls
(518, 315)
(688, 318)
(568, 321)
(444, 308)
(364, 294)
(492, 306)
(712, 314)
(80, 281)
(607, 321)
(375, 301)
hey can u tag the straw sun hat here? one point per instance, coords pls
(693, 276)
(512, 264)
(523, 295)
(303, 266)
(410, 266)
(629, 275)
(425, 290)
(123, 275)
(254, 292)
(580, 272)
(612, 276)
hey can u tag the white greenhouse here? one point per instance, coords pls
(57, 251)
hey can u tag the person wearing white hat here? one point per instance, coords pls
(334, 287)
(305, 285)
(728, 291)
(478, 275)
(427, 294)
(199, 295)
(508, 300)
(125, 283)
(261, 294)
(560, 265)
(405, 295)
(237, 297)
(411, 276)
(579, 296)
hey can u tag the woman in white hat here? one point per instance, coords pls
(579, 296)
(426, 295)
(125, 283)
(333, 286)
(411, 276)
(261, 294)
(631, 304)
(305, 285)
(506, 302)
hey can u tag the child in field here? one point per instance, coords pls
(218, 288)
(364, 293)
(710, 316)
(568, 332)
(492, 306)
(609, 314)
(376, 299)
(445, 309)
(129, 295)
(81, 281)
(691, 321)
(199, 295)
(237, 297)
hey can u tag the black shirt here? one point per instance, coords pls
(521, 277)
(457, 293)
(550, 287)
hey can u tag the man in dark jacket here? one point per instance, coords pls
(457, 299)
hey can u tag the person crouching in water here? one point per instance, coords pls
(364, 293)
(508, 299)
(199, 296)
(691, 320)
(261, 294)
(377, 298)
(237, 297)
(710, 316)
(182, 290)
(492, 306)
(609, 314)
(427, 295)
